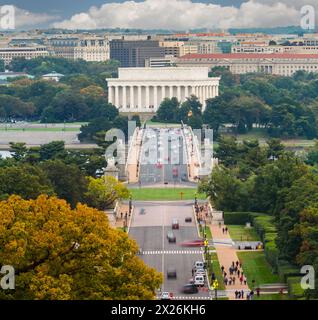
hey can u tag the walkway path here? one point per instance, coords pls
(226, 255)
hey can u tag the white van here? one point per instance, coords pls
(198, 280)
(198, 265)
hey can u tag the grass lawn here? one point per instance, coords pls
(167, 194)
(216, 268)
(50, 129)
(207, 231)
(276, 296)
(240, 233)
(257, 268)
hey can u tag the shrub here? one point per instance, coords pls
(286, 270)
(271, 254)
(264, 224)
(294, 288)
(240, 218)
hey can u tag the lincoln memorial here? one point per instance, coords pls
(141, 90)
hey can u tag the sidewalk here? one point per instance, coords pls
(226, 256)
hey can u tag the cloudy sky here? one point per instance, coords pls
(166, 14)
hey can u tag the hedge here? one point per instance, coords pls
(286, 270)
(263, 225)
(240, 218)
(294, 288)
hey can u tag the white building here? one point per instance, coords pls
(141, 90)
(9, 53)
(285, 64)
(54, 76)
(94, 49)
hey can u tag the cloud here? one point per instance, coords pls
(184, 14)
(26, 19)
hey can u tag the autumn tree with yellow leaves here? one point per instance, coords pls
(60, 253)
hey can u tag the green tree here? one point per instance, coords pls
(103, 192)
(168, 109)
(68, 181)
(26, 181)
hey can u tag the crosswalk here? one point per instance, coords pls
(191, 298)
(160, 252)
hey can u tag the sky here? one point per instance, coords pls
(157, 14)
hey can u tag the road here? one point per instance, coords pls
(163, 157)
(150, 231)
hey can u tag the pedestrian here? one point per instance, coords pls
(126, 215)
(226, 230)
(239, 295)
(241, 280)
(233, 280)
(238, 273)
(225, 280)
(222, 268)
(233, 264)
(230, 281)
(230, 271)
(245, 281)
(213, 276)
(235, 269)
(121, 216)
(225, 274)
(223, 230)
(237, 263)
(242, 294)
(247, 296)
(236, 294)
(220, 224)
(252, 294)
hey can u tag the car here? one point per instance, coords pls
(193, 243)
(171, 237)
(175, 224)
(171, 273)
(190, 288)
(200, 272)
(199, 280)
(142, 211)
(188, 219)
(166, 296)
(198, 265)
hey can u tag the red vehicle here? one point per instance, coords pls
(193, 243)
(175, 224)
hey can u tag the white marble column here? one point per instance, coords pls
(147, 97)
(170, 92)
(124, 97)
(186, 92)
(110, 95)
(132, 97)
(155, 98)
(163, 92)
(117, 96)
(179, 93)
(139, 98)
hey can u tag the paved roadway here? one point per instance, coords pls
(150, 231)
(163, 157)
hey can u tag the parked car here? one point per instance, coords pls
(171, 237)
(199, 265)
(166, 296)
(188, 219)
(199, 280)
(175, 224)
(190, 288)
(172, 273)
